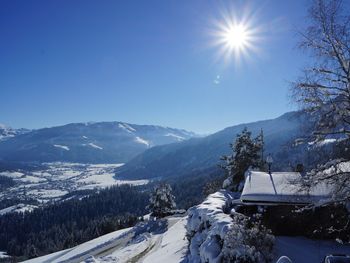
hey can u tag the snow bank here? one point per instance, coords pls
(173, 246)
(3, 255)
(207, 226)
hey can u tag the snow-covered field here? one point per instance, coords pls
(17, 208)
(153, 242)
(55, 180)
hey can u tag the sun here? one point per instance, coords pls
(235, 39)
(236, 36)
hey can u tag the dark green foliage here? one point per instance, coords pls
(161, 201)
(69, 223)
(188, 190)
(14, 201)
(246, 152)
(6, 182)
(212, 186)
(326, 222)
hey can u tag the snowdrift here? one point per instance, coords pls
(207, 226)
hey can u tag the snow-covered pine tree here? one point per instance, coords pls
(261, 144)
(248, 241)
(162, 202)
(246, 152)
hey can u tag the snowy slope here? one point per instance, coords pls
(146, 242)
(99, 142)
(174, 160)
(8, 132)
(165, 241)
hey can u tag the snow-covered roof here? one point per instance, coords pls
(279, 187)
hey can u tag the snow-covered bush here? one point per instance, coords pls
(161, 201)
(217, 236)
(247, 242)
(206, 228)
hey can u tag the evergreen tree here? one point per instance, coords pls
(161, 201)
(261, 144)
(247, 152)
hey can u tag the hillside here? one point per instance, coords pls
(8, 132)
(101, 142)
(201, 153)
(167, 241)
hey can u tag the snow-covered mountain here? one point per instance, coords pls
(8, 132)
(201, 153)
(100, 142)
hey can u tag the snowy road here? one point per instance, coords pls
(148, 242)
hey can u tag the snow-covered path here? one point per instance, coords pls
(148, 242)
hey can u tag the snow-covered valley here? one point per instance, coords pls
(55, 180)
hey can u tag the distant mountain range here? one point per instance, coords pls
(188, 157)
(8, 132)
(100, 142)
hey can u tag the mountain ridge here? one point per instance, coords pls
(93, 142)
(201, 153)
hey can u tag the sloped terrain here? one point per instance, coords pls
(8, 132)
(166, 241)
(152, 241)
(201, 153)
(101, 142)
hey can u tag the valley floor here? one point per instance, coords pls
(54, 180)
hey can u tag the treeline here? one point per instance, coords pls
(63, 225)
(6, 182)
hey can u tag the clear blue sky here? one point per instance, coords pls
(144, 62)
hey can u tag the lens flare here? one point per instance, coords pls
(235, 39)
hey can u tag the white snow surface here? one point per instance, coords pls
(95, 146)
(61, 147)
(54, 180)
(3, 254)
(152, 241)
(165, 241)
(20, 208)
(142, 141)
(207, 223)
(177, 137)
(126, 127)
(280, 187)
